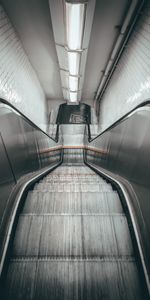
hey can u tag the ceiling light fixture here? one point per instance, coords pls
(72, 42)
(73, 83)
(73, 96)
(75, 15)
(74, 24)
(74, 63)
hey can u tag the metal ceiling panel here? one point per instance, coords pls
(57, 10)
(62, 57)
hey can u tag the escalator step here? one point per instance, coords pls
(92, 202)
(72, 242)
(73, 187)
(72, 236)
(72, 280)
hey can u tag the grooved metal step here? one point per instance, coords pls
(92, 202)
(67, 280)
(80, 235)
(73, 187)
(73, 242)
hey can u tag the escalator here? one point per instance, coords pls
(72, 241)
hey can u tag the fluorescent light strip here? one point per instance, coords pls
(73, 84)
(73, 97)
(75, 24)
(73, 62)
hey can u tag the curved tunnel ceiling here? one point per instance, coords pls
(32, 21)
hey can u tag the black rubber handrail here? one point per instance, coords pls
(144, 103)
(56, 139)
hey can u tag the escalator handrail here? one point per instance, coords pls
(144, 103)
(56, 139)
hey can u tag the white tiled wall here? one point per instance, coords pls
(130, 83)
(18, 81)
(53, 107)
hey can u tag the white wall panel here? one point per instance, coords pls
(18, 81)
(130, 83)
(53, 107)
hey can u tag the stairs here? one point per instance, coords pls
(73, 134)
(72, 242)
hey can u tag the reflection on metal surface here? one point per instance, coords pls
(22, 151)
(125, 152)
(7, 180)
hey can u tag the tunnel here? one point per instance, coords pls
(74, 149)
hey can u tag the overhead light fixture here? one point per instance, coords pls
(72, 42)
(74, 24)
(74, 62)
(73, 83)
(73, 96)
(75, 15)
